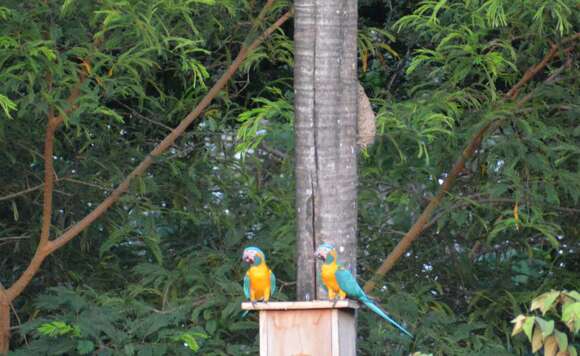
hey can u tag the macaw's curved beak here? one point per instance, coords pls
(320, 254)
(248, 259)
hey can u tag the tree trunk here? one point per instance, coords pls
(325, 132)
(4, 326)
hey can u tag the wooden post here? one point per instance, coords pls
(325, 106)
(315, 328)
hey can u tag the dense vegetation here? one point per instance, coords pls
(160, 272)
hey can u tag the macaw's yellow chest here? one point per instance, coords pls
(329, 277)
(259, 280)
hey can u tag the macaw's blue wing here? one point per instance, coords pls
(246, 292)
(247, 286)
(272, 283)
(350, 286)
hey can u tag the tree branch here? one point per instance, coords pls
(532, 71)
(51, 127)
(48, 181)
(458, 167)
(11, 238)
(22, 192)
(45, 250)
(88, 184)
(134, 112)
(273, 152)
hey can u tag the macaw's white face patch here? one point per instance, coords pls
(323, 250)
(249, 255)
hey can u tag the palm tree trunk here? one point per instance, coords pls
(325, 133)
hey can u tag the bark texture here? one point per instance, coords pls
(325, 82)
(4, 324)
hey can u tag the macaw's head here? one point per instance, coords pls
(326, 252)
(253, 256)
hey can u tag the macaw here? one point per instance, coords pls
(259, 282)
(340, 283)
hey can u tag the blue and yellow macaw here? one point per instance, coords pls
(340, 283)
(259, 282)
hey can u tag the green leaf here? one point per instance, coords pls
(153, 244)
(7, 105)
(190, 339)
(58, 328)
(111, 113)
(562, 339)
(571, 311)
(547, 327)
(528, 327)
(211, 326)
(573, 294)
(66, 7)
(85, 346)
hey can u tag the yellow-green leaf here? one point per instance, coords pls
(550, 347)
(537, 340)
(545, 301)
(15, 211)
(519, 322)
(529, 326)
(573, 294)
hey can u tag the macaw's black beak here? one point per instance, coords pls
(248, 259)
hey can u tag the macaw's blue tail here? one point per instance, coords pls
(245, 313)
(378, 310)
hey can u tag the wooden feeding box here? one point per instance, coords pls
(316, 328)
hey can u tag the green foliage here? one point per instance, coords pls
(118, 324)
(7, 105)
(189, 339)
(270, 115)
(58, 328)
(160, 273)
(370, 42)
(438, 328)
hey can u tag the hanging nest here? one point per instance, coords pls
(366, 120)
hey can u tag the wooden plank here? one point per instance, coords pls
(263, 333)
(335, 334)
(316, 304)
(346, 332)
(299, 332)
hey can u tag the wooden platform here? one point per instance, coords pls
(316, 304)
(316, 328)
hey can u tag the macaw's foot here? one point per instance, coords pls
(336, 299)
(266, 301)
(253, 303)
